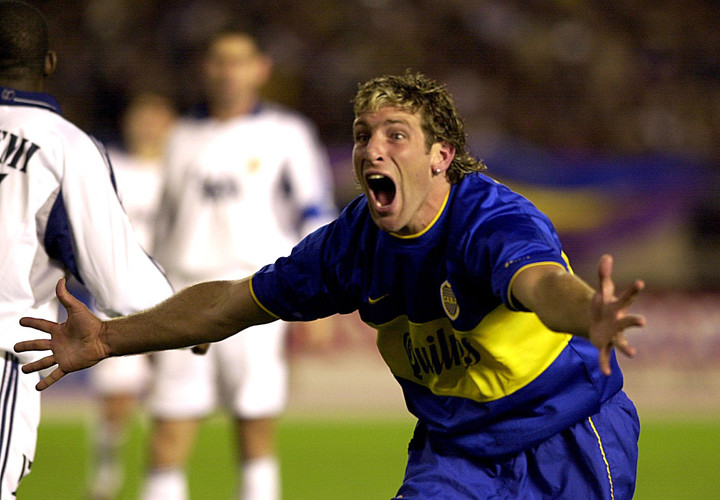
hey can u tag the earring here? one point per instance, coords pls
(437, 171)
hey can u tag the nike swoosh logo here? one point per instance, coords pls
(372, 301)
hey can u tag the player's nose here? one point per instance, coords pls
(374, 150)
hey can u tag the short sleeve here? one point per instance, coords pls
(506, 244)
(320, 277)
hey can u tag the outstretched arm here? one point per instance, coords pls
(202, 313)
(565, 303)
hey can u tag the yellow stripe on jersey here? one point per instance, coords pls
(505, 352)
(543, 263)
(427, 228)
(604, 457)
(257, 301)
(517, 273)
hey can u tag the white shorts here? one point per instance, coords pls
(246, 373)
(20, 413)
(121, 375)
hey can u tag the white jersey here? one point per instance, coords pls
(240, 193)
(59, 214)
(138, 182)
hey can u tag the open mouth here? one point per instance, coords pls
(382, 189)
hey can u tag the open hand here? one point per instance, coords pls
(74, 345)
(609, 316)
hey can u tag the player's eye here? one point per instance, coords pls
(361, 137)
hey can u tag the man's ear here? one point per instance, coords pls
(50, 63)
(442, 156)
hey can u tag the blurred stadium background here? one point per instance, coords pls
(606, 114)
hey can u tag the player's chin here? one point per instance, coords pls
(386, 222)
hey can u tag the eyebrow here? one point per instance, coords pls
(389, 121)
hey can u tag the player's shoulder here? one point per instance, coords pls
(44, 120)
(283, 115)
(74, 134)
(186, 130)
(481, 188)
(355, 216)
(478, 199)
(58, 133)
(189, 123)
(60, 142)
(127, 164)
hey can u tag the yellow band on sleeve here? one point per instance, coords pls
(257, 301)
(517, 273)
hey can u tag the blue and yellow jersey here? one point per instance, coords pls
(485, 377)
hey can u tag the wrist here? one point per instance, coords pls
(104, 344)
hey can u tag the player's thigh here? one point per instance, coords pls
(616, 429)
(20, 411)
(596, 458)
(183, 384)
(437, 474)
(253, 368)
(121, 375)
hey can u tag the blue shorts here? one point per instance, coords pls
(594, 459)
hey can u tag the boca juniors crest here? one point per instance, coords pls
(449, 301)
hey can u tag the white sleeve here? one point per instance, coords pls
(311, 178)
(171, 180)
(109, 258)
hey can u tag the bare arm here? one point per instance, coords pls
(565, 303)
(206, 312)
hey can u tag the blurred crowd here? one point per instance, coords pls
(635, 76)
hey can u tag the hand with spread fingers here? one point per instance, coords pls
(609, 317)
(74, 344)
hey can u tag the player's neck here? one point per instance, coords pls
(23, 84)
(147, 152)
(231, 109)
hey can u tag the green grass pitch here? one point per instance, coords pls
(354, 459)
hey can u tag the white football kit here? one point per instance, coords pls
(138, 184)
(238, 194)
(59, 214)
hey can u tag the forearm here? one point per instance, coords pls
(206, 312)
(561, 300)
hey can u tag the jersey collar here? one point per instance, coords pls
(13, 97)
(432, 222)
